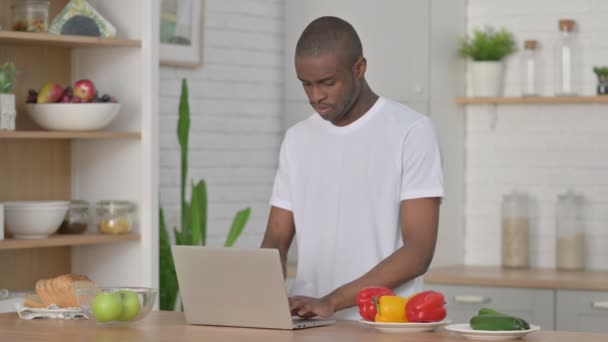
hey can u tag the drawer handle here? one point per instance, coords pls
(472, 299)
(600, 305)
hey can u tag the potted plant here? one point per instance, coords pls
(602, 80)
(193, 230)
(486, 50)
(8, 71)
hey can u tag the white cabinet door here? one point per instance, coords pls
(395, 38)
(533, 305)
(585, 311)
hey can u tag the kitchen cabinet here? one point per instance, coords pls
(533, 305)
(582, 311)
(119, 162)
(410, 47)
(568, 301)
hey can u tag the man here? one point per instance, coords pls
(360, 181)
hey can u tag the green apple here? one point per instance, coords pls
(130, 305)
(107, 306)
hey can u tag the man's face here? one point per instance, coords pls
(331, 86)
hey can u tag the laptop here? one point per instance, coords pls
(236, 287)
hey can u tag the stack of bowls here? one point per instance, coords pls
(34, 219)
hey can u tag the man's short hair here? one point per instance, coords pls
(330, 35)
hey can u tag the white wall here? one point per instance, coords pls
(540, 149)
(235, 116)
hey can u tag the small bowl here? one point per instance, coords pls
(116, 305)
(73, 116)
(35, 219)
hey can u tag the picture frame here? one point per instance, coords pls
(181, 32)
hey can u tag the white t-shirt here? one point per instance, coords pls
(344, 186)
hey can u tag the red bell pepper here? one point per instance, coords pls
(365, 300)
(426, 307)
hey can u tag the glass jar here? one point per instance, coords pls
(570, 244)
(115, 217)
(530, 69)
(515, 230)
(30, 15)
(76, 219)
(566, 60)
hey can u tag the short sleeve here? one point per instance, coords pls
(281, 192)
(422, 174)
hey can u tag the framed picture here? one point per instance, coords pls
(181, 23)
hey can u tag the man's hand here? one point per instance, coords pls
(308, 307)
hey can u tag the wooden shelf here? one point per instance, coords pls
(533, 100)
(68, 135)
(66, 240)
(46, 39)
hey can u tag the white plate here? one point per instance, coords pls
(405, 327)
(466, 331)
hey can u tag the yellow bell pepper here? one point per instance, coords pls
(391, 309)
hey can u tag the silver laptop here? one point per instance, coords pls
(235, 287)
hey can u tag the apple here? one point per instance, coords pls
(107, 306)
(50, 93)
(130, 305)
(84, 90)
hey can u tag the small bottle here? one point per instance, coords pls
(530, 69)
(566, 55)
(570, 244)
(515, 231)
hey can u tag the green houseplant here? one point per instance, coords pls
(486, 49)
(8, 73)
(602, 79)
(193, 216)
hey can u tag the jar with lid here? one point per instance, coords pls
(30, 15)
(115, 217)
(76, 219)
(530, 65)
(566, 60)
(515, 230)
(570, 244)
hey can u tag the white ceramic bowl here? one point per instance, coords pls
(34, 220)
(73, 116)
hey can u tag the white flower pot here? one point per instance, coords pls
(7, 112)
(487, 78)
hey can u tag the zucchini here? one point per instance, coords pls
(497, 323)
(488, 311)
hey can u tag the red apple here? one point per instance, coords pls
(84, 90)
(50, 93)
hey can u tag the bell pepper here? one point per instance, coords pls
(391, 309)
(365, 300)
(426, 306)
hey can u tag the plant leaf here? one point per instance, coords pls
(183, 129)
(238, 224)
(195, 217)
(200, 227)
(167, 277)
(178, 236)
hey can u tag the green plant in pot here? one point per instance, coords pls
(193, 216)
(602, 79)
(8, 73)
(486, 49)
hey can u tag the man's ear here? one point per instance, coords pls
(359, 68)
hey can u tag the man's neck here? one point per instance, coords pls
(364, 103)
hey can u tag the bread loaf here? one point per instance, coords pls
(33, 301)
(60, 291)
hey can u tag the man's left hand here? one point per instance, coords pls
(308, 307)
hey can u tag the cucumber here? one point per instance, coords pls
(497, 323)
(488, 311)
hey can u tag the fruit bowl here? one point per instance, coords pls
(73, 116)
(116, 305)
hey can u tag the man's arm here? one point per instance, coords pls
(419, 220)
(279, 233)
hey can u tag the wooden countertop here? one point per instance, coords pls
(528, 278)
(170, 326)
